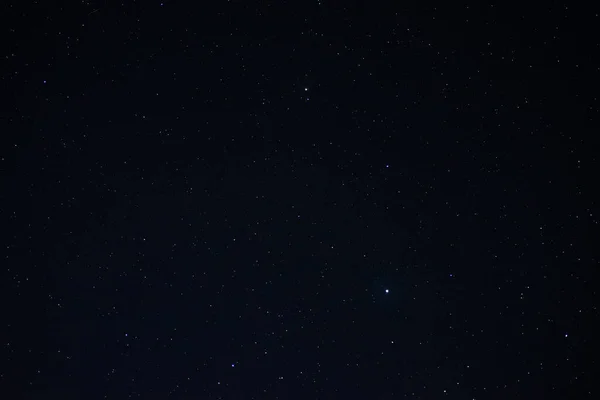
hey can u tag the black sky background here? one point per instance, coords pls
(256, 200)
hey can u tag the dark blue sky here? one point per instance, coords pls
(210, 201)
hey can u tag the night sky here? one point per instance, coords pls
(299, 200)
